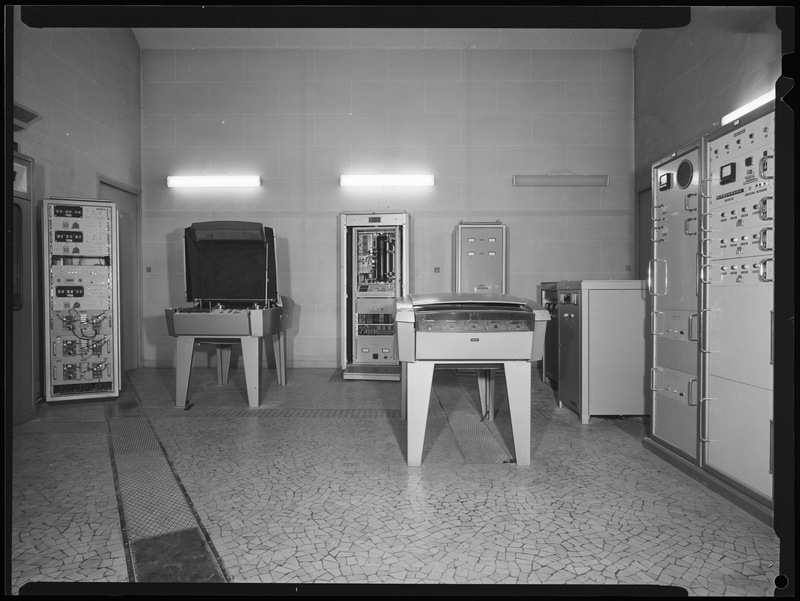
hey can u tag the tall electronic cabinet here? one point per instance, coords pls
(737, 304)
(479, 254)
(712, 292)
(81, 308)
(375, 272)
(674, 310)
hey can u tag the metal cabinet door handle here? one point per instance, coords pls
(704, 330)
(653, 277)
(691, 387)
(693, 321)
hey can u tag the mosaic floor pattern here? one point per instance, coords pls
(313, 487)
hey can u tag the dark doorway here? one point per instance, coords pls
(130, 286)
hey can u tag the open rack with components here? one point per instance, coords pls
(81, 280)
(375, 273)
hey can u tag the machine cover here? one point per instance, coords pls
(230, 261)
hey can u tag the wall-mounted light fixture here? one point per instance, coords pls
(559, 179)
(750, 106)
(387, 179)
(213, 181)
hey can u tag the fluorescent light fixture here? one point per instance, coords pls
(386, 180)
(732, 116)
(559, 179)
(213, 181)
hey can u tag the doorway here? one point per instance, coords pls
(130, 285)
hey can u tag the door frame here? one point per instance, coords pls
(642, 237)
(139, 301)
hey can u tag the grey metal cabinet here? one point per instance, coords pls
(712, 296)
(602, 335)
(737, 249)
(674, 311)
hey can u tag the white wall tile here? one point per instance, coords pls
(95, 102)
(309, 97)
(278, 64)
(243, 98)
(497, 129)
(349, 130)
(531, 97)
(424, 64)
(158, 65)
(496, 65)
(464, 161)
(561, 129)
(209, 130)
(460, 96)
(175, 98)
(566, 65)
(47, 71)
(279, 130)
(209, 65)
(381, 97)
(77, 50)
(351, 65)
(599, 96)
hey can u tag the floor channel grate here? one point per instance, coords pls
(477, 442)
(156, 512)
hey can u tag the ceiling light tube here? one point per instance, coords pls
(750, 106)
(559, 179)
(213, 181)
(386, 180)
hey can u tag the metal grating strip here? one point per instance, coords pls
(154, 503)
(132, 435)
(476, 441)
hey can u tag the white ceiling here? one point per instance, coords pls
(541, 39)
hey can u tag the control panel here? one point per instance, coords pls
(82, 301)
(737, 280)
(479, 253)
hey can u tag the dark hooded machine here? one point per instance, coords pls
(231, 279)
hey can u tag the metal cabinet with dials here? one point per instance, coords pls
(674, 311)
(737, 251)
(712, 294)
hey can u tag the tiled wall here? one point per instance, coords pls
(85, 85)
(301, 117)
(686, 79)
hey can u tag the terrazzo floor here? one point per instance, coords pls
(312, 487)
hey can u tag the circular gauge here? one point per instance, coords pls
(684, 175)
